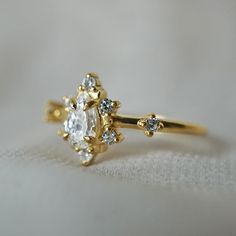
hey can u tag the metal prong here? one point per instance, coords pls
(89, 105)
(73, 103)
(152, 115)
(161, 126)
(91, 150)
(86, 162)
(94, 90)
(63, 134)
(142, 123)
(93, 75)
(70, 103)
(80, 88)
(108, 128)
(116, 104)
(148, 133)
(119, 138)
(77, 149)
(89, 139)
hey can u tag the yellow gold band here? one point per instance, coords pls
(168, 126)
(56, 113)
(91, 121)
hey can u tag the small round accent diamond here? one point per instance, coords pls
(106, 106)
(88, 82)
(109, 137)
(152, 124)
(66, 101)
(85, 156)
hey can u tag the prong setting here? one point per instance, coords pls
(106, 106)
(115, 105)
(70, 103)
(89, 139)
(91, 97)
(91, 122)
(85, 157)
(63, 134)
(150, 124)
(109, 136)
(89, 105)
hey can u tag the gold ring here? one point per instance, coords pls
(91, 122)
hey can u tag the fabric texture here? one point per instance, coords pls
(176, 58)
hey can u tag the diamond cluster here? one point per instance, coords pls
(89, 127)
(82, 123)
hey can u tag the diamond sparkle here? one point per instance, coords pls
(109, 137)
(85, 156)
(152, 124)
(88, 83)
(106, 106)
(81, 123)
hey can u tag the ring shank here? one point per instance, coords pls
(55, 113)
(169, 126)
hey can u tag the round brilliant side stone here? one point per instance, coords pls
(106, 106)
(152, 124)
(85, 156)
(88, 83)
(109, 137)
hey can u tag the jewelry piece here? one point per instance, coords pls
(91, 122)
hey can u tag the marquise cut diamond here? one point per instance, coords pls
(81, 123)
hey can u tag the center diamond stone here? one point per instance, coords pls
(81, 123)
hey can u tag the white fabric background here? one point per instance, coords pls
(176, 58)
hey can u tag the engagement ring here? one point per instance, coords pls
(91, 123)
